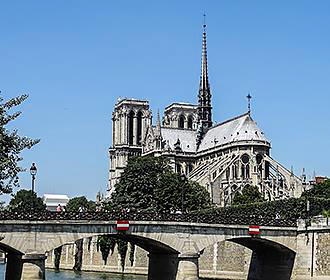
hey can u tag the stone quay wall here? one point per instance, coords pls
(223, 260)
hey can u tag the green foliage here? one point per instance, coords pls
(319, 191)
(264, 213)
(122, 249)
(106, 244)
(26, 201)
(250, 194)
(75, 203)
(79, 254)
(57, 259)
(11, 145)
(149, 184)
(326, 213)
(131, 253)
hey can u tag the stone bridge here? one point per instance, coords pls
(280, 252)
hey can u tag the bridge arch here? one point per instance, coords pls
(148, 244)
(10, 250)
(270, 260)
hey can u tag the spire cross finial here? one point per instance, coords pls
(249, 97)
(204, 21)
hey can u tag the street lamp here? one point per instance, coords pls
(33, 172)
(183, 181)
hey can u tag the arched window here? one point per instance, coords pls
(235, 170)
(190, 123)
(245, 158)
(130, 127)
(247, 171)
(259, 158)
(139, 128)
(181, 121)
(178, 168)
(266, 169)
(243, 171)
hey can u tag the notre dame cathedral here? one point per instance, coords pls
(223, 157)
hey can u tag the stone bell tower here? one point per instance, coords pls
(130, 120)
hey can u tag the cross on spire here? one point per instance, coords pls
(249, 97)
(204, 21)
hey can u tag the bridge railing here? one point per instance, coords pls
(274, 213)
(212, 217)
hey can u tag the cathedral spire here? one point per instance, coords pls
(204, 94)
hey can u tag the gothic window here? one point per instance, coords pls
(259, 158)
(281, 182)
(266, 169)
(247, 169)
(190, 123)
(190, 167)
(178, 168)
(139, 128)
(245, 158)
(243, 171)
(130, 127)
(181, 121)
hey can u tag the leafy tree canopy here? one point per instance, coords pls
(250, 194)
(75, 203)
(149, 184)
(26, 201)
(11, 145)
(318, 191)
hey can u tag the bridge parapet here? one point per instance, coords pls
(284, 213)
(213, 217)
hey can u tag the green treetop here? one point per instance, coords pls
(250, 194)
(149, 184)
(26, 201)
(11, 145)
(318, 191)
(80, 203)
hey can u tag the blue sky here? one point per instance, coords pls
(75, 58)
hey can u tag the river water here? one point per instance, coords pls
(70, 275)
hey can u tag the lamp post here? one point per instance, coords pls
(33, 172)
(183, 181)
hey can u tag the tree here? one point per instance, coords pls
(250, 194)
(81, 201)
(11, 145)
(26, 201)
(149, 184)
(318, 191)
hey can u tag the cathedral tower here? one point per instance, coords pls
(204, 94)
(130, 120)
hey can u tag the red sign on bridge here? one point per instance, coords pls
(254, 230)
(122, 225)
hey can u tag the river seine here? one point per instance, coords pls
(70, 275)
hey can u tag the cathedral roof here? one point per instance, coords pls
(187, 138)
(241, 128)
